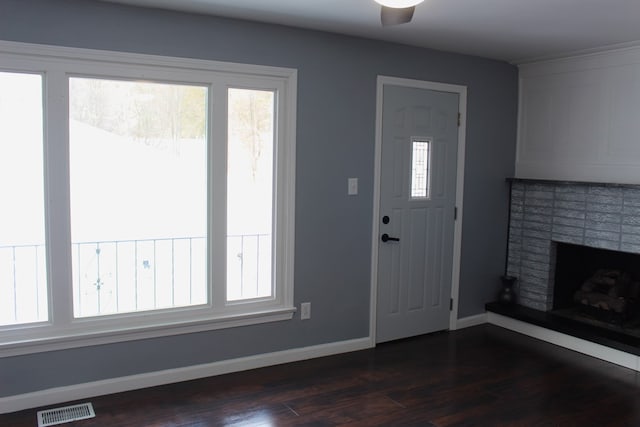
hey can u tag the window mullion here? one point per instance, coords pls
(284, 198)
(56, 137)
(218, 195)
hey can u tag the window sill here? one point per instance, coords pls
(75, 340)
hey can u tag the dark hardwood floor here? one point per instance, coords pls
(480, 376)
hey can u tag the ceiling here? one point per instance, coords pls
(511, 30)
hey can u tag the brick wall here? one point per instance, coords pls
(603, 216)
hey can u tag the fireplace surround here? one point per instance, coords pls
(544, 217)
(544, 214)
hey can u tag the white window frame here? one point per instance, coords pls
(56, 65)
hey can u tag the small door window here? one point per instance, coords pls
(421, 168)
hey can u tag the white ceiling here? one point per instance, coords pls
(511, 30)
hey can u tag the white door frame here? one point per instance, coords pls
(457, 237)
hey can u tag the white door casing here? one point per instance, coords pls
(407, 298)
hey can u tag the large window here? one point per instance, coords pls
(138, 167)
(166, 188)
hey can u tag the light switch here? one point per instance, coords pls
(353, 186)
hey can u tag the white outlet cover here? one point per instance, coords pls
(305, 310)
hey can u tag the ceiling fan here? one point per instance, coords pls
(395, 12)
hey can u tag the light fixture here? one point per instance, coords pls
(399, 4)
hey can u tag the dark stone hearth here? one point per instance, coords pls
(559, 323)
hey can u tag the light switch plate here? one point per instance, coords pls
(352, 186)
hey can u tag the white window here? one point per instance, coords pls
(250, 145)
(23, 280)
(169, 196)
(138, 180)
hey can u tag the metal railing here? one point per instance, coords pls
(137, 275)
(23, 293)
(122, 276)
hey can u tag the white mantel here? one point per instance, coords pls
(579, 118)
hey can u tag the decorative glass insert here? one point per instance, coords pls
(138, 170)
(23, 275)
(421, 169)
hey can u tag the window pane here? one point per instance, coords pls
(420, 169)
(250, 194)
(138, 166)
(23, 283)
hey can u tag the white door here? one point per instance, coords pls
(419, 147)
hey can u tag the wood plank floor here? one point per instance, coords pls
(480, 376)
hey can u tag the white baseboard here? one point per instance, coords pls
(467, 322)
(589, 348)
(117, 385)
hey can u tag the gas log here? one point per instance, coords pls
(610, 290)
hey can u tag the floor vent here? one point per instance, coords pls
(53, 417)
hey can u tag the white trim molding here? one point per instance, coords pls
(467, 322)
(152, 379)
(589, 348)
(457, 238)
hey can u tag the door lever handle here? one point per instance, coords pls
(385, 238)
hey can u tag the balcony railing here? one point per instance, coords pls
(23, 293)
(132, 275)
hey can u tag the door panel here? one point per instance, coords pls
(414, 273)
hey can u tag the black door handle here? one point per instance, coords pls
(385, 238)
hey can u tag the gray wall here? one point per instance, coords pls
(336, 117)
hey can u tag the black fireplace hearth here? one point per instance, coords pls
(599, 332)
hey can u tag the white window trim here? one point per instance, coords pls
(56, 64)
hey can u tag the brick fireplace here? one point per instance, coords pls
(549, 218)
(546, 213)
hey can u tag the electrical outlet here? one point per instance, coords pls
(305, 311)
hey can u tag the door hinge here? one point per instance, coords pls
(455, 213)
(459, 119)
(451, 304)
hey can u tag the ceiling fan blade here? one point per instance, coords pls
(395, 16)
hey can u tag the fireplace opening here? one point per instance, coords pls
(598, 286)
